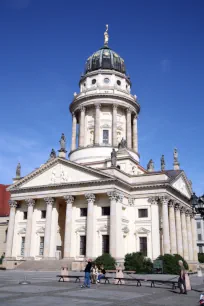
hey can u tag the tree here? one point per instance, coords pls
(107, 261)
(138, 262)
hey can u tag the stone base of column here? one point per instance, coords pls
(28, 258)
(50, 258)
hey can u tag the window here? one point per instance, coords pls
(198, 225)
(199, 237)
(118, 82)
(93, 81)
(105, 136)
(200, 249)
(143, 213)
(105, 244)
(83, 212)
(143, 245)
(43, 214)
(41, 250)
(25, 215)
(82, 245)
(22, 245)
(106, 80)
(105, 211)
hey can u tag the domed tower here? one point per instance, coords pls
(104, 111)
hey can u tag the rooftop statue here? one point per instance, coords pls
(106, 36)
(18, 171)
(175, 155)
(63, 142)
(150, 166)
(162, 163)
(122, 144)
(113, 158)
(53, 154)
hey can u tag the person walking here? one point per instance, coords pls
(182, 278)
(87, 274)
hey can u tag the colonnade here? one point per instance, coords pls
(178, 228)
(115, 225)
(131, 128)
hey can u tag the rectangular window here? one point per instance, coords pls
(105, 211)
(143, 245)
(25, 215)
(200, 249)
(143, 213)
(41, 250)
(105, 136)
(22, 245)
(83, 245)
(105, 244)
(198, 225)
(43, 214)
(83, 212)
(199, 237)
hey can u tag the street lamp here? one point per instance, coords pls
(198, 204)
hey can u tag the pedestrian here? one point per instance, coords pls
(182, 278)
(101, 274)
(87, 274)
(94, 274)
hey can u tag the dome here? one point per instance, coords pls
(105, 58)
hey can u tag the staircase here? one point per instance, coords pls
(44, 265)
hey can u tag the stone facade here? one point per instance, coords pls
(83, 207)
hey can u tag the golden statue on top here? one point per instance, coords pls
(106, 36)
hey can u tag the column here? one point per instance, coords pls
(68, 226)
(165, 219)
(172, 228)
(178, 230)
(189, 236)
(82, 127)
(90, 226)
(184, 233)
(116, 237)
(155, 227)
(97, 124)
(49, 202)
(30, 204)
(194, 234)
(9, 243)
(74, 125)
(135, 134)
(114, 126)
(129, 131)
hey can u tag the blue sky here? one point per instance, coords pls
(44, 46)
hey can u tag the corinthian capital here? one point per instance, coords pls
(183, 210)
(131, 201)
(90, 197)
(115, 106)
(115, 195)
(164, 200)
(69, 199)
(129, 110)
(97, 105)
(49, 201)
(12, 203)
(171, 203)
(153, 200)
(30, 202)
(82, 108)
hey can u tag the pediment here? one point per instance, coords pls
(181, 185)
(59, 171)
(142, 230)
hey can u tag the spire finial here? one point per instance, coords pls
(106, 36)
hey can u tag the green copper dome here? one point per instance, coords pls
(105, 58)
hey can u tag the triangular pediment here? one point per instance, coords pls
(182, 185)
(59, 171)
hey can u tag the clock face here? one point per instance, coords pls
(106, 80)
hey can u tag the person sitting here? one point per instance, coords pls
(101, 274)
(94, 274)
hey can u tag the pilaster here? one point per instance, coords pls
(49, 202)
(97, 124)
(135, 134)
(114, 126)
(184, 234)
(165, 218)
(74, 124)
(30, 204)
(82, 126)
(155, 226)
(68, 226)
(90, 227)
(178, 230)
(129, 129)
(172, 228)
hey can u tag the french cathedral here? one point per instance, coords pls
(97, 198)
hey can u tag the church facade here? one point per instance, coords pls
(100, 199)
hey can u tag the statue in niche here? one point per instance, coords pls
(162, 163)
(62, 143)
(91, 137)
(150, 166)
(122, 144)
(18, 171)
(113, 158)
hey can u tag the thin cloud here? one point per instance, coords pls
(165, 65)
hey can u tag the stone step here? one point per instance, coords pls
(44, 265)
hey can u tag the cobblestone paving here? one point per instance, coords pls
(45, 290)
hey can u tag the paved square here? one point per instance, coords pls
(45, 290)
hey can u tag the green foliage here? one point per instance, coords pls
(107, 261)
(137, 261)
(201, 257)
(170, 263)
